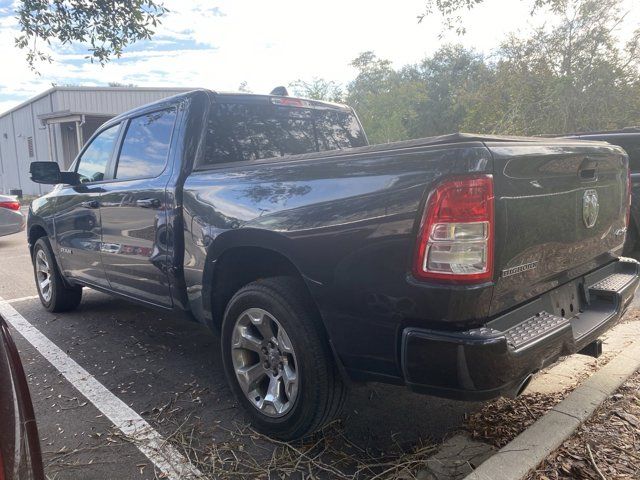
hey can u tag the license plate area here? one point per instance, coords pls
(565, 300)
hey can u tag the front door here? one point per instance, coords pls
(134, 235)
(77, 221)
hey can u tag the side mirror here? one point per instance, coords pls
(49, 173)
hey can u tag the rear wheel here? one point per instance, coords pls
(278, 361)
(54, 294)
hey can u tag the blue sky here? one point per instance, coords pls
(219, 44)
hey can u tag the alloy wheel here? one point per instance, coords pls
(264, 362)
(43, 275)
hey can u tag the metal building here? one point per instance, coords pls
(55, 124)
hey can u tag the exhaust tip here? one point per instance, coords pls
(516, 391)
(523, 386)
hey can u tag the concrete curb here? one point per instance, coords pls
(531, 447)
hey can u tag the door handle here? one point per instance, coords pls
(90, 204)
(148, 203)
(588, 174)
(588, 170)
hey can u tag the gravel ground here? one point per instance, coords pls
(605, 447)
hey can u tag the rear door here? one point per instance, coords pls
(77, 220)
(560, 212)
(134, 218)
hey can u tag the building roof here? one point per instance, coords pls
(61, 116)
(93, 89)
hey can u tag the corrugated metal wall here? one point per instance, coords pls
(20, 124)
(107, 100)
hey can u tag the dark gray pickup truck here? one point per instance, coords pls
(456, 265)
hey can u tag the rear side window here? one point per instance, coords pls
(338, 130)
(92, 165)
(240, 132)
(145, 147)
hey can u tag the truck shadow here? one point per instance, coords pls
(180, 366)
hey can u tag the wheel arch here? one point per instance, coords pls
(35, 232)
(239, 265)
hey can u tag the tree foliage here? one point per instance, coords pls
(121, 85)
(383, 97)
(573, 75)
(318, 89)
(106, 26)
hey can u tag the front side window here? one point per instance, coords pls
(92, 165)
(145, 147)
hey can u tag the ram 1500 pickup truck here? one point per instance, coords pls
(456, 265)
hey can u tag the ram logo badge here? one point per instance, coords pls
(507, 272)
(590, 207)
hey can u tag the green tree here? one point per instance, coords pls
(318, 89)
(244, 87)
(121, 85)
(107, 26)
(384, 98)
(574, 76)
(451, 79)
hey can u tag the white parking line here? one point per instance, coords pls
(21, 299)
(166, 458)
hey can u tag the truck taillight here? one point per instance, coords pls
(455, 240)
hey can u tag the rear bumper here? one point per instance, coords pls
(496, 359)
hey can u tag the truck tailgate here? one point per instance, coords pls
(560, 212)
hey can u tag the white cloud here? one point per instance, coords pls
(263, 43)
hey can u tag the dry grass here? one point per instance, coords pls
(243, 453)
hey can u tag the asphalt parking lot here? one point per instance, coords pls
(168, 370)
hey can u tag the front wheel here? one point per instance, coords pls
(54, 294)
(278, 361)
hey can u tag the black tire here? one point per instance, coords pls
(63, 297)
(321, 392)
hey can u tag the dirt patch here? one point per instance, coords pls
(607, 446)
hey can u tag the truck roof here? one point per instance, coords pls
(230, 97)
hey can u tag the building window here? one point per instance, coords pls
(30, 146)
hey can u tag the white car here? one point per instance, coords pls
(11, 218)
